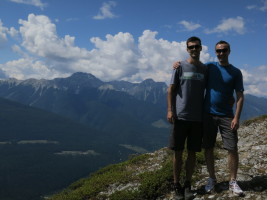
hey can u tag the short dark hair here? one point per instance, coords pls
(223, 42)
(192, 39)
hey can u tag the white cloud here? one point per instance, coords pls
(4, 32)
(262, 7)
(13, 32)
(263, 68)
(3, 75)
(40, 38)
(116, 57)
(158, 55)
(37, 3)
(17, 49)
(255, 80)
(250, 7)
(105, 11)
(46, 55)
(229, 25)
(25, 68)
(190, 26)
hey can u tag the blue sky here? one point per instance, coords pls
(129, 40)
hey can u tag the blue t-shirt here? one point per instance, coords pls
(222, 82)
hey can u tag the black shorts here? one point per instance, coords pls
(213, 123)
(190, 130)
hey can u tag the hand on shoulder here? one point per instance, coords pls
(176, 65)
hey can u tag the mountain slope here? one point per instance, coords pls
(149, 176)
(84, 98)
(42, 152)
(253, 107)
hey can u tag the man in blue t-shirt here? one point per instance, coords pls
(223, 80)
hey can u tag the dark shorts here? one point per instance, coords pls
(186, 130)
(213, 123)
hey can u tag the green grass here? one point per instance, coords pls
(152, 184)
(88, 188)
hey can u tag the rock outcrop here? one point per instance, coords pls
(252, 172)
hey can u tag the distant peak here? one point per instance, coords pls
(83, 75)
(82, 79)
(148, 82)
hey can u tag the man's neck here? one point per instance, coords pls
(193, 61)
(226, 63)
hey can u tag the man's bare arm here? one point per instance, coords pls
(170, 102)
(239, 106)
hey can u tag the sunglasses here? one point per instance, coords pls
(194, 47)
(221, 50)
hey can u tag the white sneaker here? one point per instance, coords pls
(234, 188)
(210, 184)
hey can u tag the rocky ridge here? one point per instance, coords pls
(252, 170)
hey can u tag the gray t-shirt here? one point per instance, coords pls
(190, 82)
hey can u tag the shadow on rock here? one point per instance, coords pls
(257, 184)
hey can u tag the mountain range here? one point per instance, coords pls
(85, 98)
(56, 131)
(101, 105)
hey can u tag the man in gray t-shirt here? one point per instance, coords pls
(185, 108)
